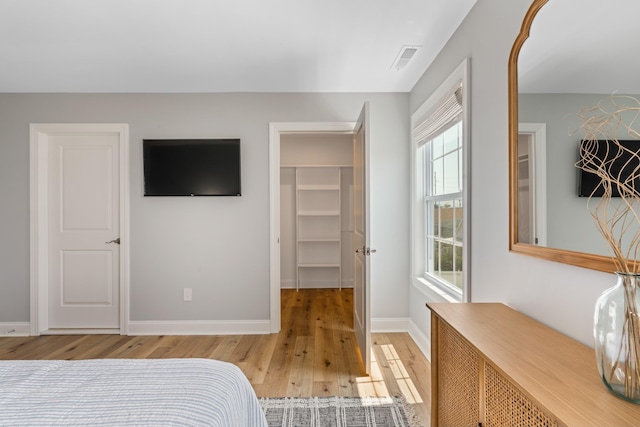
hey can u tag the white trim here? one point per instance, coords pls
(38, 140)
(385, 325)
(125, 240)
(195, 327)
(14, 329)
(81, 332)
(422, 341)
(539, 132)
(403, 324)
(462, 72)
(38, 165)
(288, 284)
(433, 292)
(275, 130)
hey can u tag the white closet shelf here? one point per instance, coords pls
(308, 187)
(319, 213)
(317, 264)
(318, 210)
(301, 165)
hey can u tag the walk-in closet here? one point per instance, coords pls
(316, 211)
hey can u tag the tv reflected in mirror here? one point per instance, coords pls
(191, 167)
(618, 160)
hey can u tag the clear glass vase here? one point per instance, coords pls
(616, 330)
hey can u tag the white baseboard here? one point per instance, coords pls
(399, 324)
(15, 329)
(204, 327)
(423, 341)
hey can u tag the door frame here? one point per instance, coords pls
(39, 206)
(538, 131)
(276, 129)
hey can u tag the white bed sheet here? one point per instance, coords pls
(127, 392)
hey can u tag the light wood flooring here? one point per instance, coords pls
(313, 355)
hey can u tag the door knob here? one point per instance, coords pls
(114, 241)
(365, 250)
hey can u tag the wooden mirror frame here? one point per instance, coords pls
(580, 259)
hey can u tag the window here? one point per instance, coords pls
(440, 211)
(443, 206)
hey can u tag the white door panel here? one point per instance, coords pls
(83, 215)
(86, 278)
(361, 293)
(358, 302)
(86, 178)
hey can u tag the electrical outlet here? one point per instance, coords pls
(187, 294)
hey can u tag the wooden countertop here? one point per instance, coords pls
(557, 372)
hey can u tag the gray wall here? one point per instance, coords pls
(217, 246)
(559, 295)
(556, 294)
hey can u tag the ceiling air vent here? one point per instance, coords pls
(405, 55)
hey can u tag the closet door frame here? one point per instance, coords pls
(275, 132)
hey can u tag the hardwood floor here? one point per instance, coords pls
(313, 355)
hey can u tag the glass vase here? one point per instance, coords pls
(617, 337)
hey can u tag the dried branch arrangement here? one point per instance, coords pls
(616, 216)
(617, 219)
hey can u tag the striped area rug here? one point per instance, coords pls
(339, 412)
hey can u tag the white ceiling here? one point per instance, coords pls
(220, 46)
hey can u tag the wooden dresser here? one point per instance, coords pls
(494, 366)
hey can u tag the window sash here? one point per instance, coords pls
(429, 161)
(438, 249)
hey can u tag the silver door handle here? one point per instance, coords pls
(366, 251)
(114, 241)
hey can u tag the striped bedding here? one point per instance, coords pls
(125, 392)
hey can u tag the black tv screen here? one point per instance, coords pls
(621, 162)
(191, 167)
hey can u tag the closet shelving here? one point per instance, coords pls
(318, 223)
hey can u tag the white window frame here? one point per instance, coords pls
(430, 285)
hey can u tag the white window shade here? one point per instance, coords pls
(446, 114)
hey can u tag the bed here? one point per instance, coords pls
(126, 392)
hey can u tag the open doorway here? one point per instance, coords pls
(285, 134)
(358, 133)
(532, 184)
(316, 211)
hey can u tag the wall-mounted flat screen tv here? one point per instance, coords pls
(620, 162)
(191, 167)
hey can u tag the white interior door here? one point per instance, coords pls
(361, 291)
(80, 222)
(83, 217)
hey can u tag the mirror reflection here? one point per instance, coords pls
(579, 53)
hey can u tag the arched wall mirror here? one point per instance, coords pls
(569, 55)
